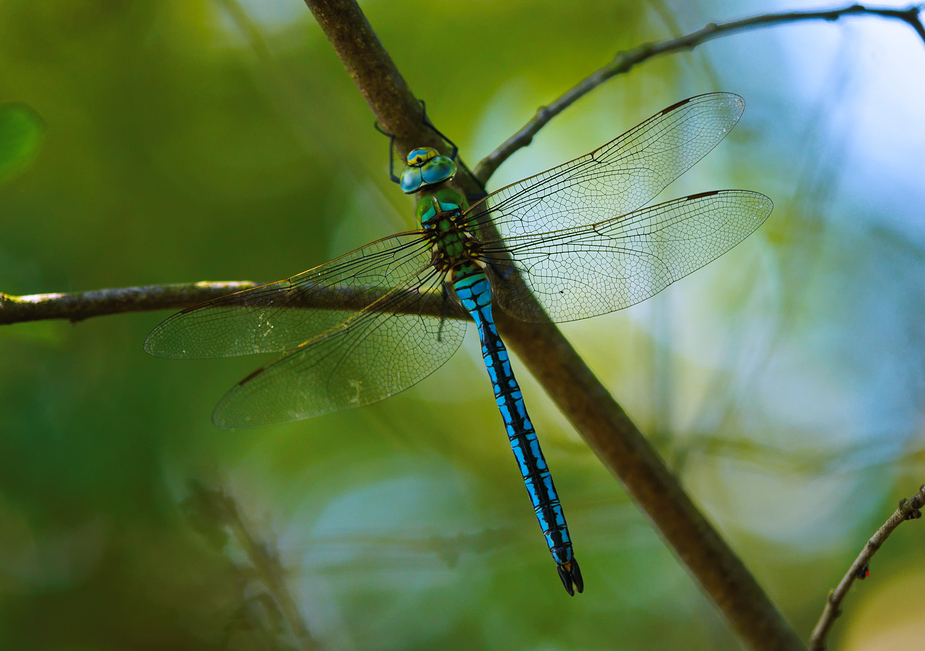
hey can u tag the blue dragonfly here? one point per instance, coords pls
(569, 243)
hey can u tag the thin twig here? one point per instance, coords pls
(624, 61)
(909, 509)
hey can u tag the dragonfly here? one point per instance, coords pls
(575, 241)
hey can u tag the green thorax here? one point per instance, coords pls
(442, 214)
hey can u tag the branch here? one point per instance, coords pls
(78, 306)
(624, 61)
(376, 77)
(571, 384)
(908, 510)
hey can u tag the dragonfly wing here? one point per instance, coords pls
(379, 352)
(283, 315)
(619, 177)
(589, 270)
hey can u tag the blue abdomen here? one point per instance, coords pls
(474, 292)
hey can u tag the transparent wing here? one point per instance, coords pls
(379, 352)
(283, 315)
(589, 270)
(617, 178)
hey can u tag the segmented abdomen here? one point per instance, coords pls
(474, 291)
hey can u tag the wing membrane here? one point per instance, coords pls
(379, 352)
(618, 177)
(589, 270)
(282, 315)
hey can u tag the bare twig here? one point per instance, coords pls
(909, 509)
(624, 61)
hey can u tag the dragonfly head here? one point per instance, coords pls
(426, 166)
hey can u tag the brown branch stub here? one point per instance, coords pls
(623, 62)
(909, 509)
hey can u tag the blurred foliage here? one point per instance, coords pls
(20, 134)
(196, 140)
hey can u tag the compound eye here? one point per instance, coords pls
(411, 179)
(439, 168)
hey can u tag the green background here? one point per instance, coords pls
(188, 140)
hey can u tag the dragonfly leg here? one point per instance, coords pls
(391, 137)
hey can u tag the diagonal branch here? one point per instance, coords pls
(909, 509)
(624, 61)
(570, 383)
(385, 90)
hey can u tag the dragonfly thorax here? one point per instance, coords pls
(443, 219)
